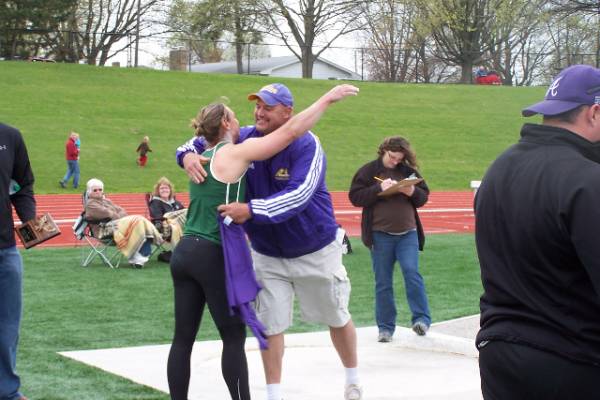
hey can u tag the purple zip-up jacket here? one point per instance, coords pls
(292, 213)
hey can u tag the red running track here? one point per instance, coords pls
(446, 212)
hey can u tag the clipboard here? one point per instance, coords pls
(403, 183)
(37, 230)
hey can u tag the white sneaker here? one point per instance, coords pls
(352, 392)
(138, 259)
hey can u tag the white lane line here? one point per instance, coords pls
(421, 211)
(339, 212)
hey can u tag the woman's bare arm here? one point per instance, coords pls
(236, 158)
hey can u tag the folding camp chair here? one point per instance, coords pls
(104, 247)
(159, 226)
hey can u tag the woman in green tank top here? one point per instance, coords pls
(204, 199)
(197, 264)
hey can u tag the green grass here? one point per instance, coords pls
(68, 307)
(457, 130)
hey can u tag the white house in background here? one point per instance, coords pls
(284, 67)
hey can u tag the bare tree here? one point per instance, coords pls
(526, 62)
(518, 47)
(391, 39)
(250, 51)
(203, 24)
(310, 20)
(572, 41)
(591, 7)
(244, 17)
(462, 30)
(101, 26)
(197, 25)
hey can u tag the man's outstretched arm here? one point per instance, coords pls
(188, 157)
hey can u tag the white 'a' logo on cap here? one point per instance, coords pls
(269, 88)
(553, 88)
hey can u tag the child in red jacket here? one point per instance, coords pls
(143, 149)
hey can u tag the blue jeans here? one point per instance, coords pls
(72, 170)
(146, 248)
(384, 253)
(11, 278)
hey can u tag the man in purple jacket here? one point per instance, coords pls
(296, 242)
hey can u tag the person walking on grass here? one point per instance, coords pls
(295, 240)
(16, 188)
(392, 231)
(199, 263)
(143, 149)
(537, 226)
(72, 156)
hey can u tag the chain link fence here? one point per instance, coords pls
(272, 59)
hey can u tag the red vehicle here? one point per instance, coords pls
(491, 78)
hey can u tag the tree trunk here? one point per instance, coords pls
(467, 71)
(308, 60)
(13, 47)
(309, 22)
(425, 68)
(406, 57)
(239, 55)
(507, 79)
(239, 45)
(103, 58)
(91, 58)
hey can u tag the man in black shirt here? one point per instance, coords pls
(537, 216)
(16, 187)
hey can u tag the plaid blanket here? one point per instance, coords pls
(132, 231)
(175, 221)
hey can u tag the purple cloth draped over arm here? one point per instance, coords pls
(240, 280)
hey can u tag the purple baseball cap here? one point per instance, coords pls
(273, 94)
(574, 86)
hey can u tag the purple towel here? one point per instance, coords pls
(240, 280)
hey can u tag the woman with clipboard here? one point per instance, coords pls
(390, 189)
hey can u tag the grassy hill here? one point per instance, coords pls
(456, 130)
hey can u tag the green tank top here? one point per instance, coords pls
(206, 197)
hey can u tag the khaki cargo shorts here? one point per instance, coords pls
(319, 281)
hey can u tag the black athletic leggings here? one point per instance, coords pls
(199, 279)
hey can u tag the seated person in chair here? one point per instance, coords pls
(133, 234)
(162, 202)
(98, 207)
